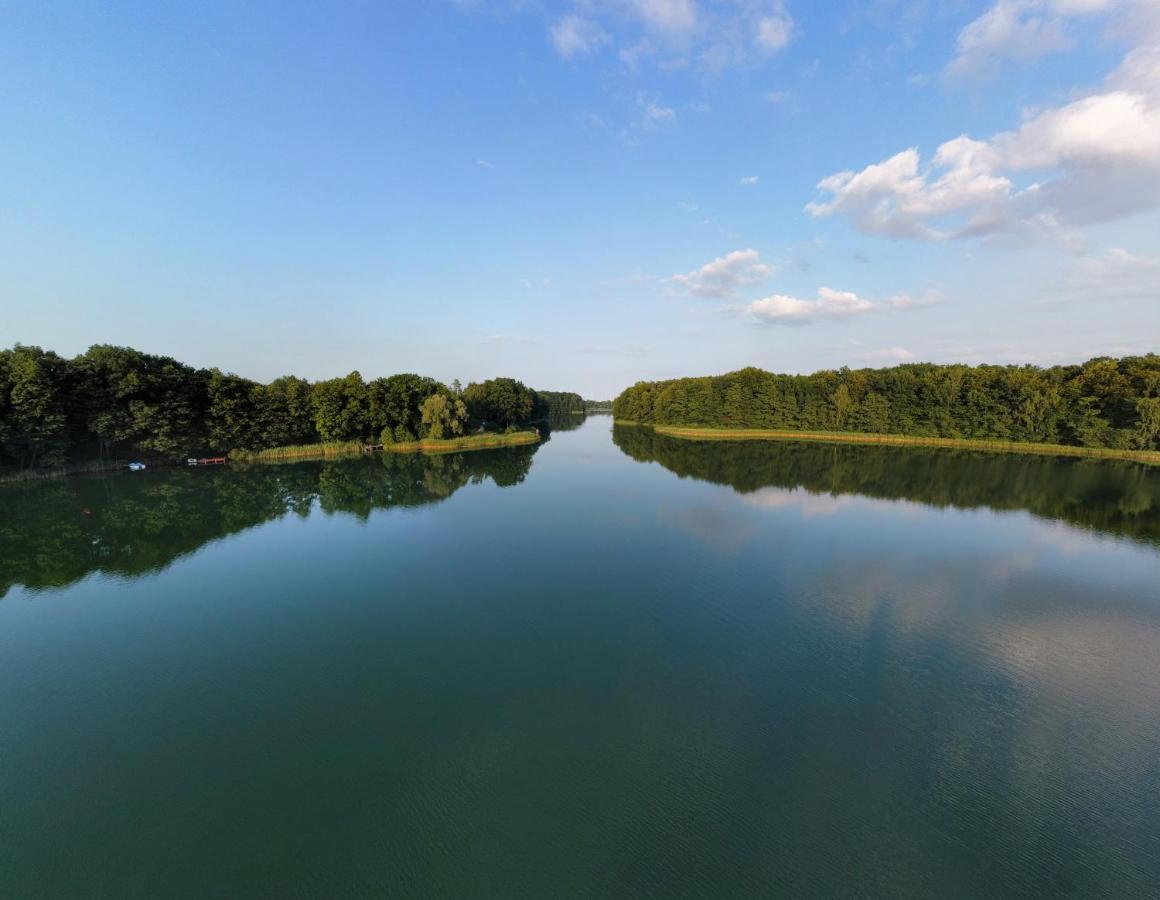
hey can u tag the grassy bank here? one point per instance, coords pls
(1150, 457)
(467, 442)
(298, 451)
(347, 448)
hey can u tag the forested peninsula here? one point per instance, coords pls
(1104, 407)
(113, 403)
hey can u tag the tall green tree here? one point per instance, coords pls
(444, 416)
(1148, 427)
(142, 402)
(33, 420)
(285, 414)
(232, 416)
(499, 401)
(396, 402)
(341, 409)
(556, 403)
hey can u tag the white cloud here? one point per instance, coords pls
(1116, 128)
(747, 180)
(724, 275)
(484, 164)
(896, 199)
(1094, 159)
(1140, 70)
(576, 36)
(1114, 275)
(1024, 30)
(775, 29)
(829, 304)
(1011, 29)
(915, 301)
(630, 57)
(676, 34)
(834, 304)
(654, 113)
(676, 16)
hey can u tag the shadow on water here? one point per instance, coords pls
(1109, 496)
(54, 533)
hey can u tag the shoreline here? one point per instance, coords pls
(487, 441)
(1148, 457)
(466, 444)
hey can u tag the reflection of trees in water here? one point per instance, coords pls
(53, 533)
(1116, 497)
(558, 421)
(564, 421)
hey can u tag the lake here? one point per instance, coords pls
(614, 664)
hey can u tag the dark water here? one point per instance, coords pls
(795, 669)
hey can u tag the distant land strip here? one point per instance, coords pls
(347, 448)
(1149, 457)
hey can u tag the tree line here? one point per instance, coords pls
(1103, 403)
(110, 402)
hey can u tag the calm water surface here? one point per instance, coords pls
(611, 665)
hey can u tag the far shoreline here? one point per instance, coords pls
(1147, 457)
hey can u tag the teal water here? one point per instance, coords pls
(611, 665)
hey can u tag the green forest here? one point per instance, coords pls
(1103, 403)
(113, 402)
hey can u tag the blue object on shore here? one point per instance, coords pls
(136, 466)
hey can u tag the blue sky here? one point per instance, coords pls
(584, 193)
